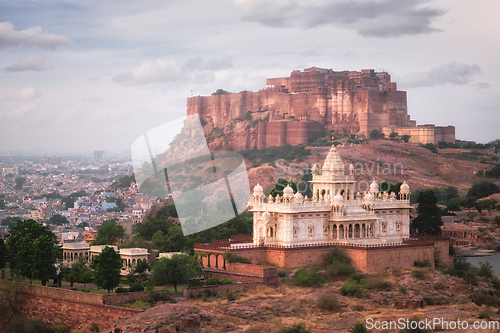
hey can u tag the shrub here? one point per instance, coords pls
(231, 257)
(212, 281)
(195, 283)
(402, 289)
(136, 287)
(418, 274)
(470, 277)
(379, 283)
(487, 298)
(485, 270)
(358, 328)
(159, 296)
(422, 263)
(226, 281)
(139, 305)
(297, 328)
(328, 301)
(281, 273)
(121, 290)
(352, 289)
(306, 278)
(483, 315)
(357, 277)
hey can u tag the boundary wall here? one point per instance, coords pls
(76, 308)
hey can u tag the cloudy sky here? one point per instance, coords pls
(90, 75)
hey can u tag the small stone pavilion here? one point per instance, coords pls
(130, 257)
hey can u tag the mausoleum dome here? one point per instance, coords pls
(405, 188)
(258, 190)
(338, 200)
(368, 198)
(374, 187)
(288, 192)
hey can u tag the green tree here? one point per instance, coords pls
(20, 183)
(374, 135)
(220, 92)
(58, 220)
(406, 138)
(393, 135)
(109, 233)
(428, 220)
(430, 147)
(483, 189)
(468, 202)
(296, 328)
(33, 251)
(454, 205)
(280, 186)
(81, 271)
(358, 328)
(486, 204)
(107, 267)
(141, 269)
(176, 270)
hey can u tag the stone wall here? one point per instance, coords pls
(221, 288)
(76, 308)
(366, 260)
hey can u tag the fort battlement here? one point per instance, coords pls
(296, 109)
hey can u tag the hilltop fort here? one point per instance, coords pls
(295, 109)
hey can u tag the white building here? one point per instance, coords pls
(72, 251)
(335, 213)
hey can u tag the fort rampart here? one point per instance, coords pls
(76, 308)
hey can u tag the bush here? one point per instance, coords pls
(357, 277)
(136, 287)
(379, 283)
(470, 278)
(306, 278)
(402, 289)
(281, 273)
(226, 281)
(328, 301)
(483, 315)
(358, 328)
(159, 296)
(231, 257)
(422, 263)
(212, 281)
(121, 290)
(352, 289)
(195, 283)
(297, 328)
(485, 270)
(487, 298)
(418, 274)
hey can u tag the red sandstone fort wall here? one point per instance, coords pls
(351, 101)
(76, 308)
(369, 260)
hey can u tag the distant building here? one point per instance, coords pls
(99, 155)
(424, 133)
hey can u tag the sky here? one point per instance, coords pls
(79, 76)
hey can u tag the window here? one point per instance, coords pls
(302, 215)
(294, 232)
(310, 215)
(390, 212)
(384, 227)
(311, 231)
(398, 226)
(325, 230)
(295, 215)
(318, 214)
(325, 214)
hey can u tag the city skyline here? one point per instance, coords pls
(96, 75)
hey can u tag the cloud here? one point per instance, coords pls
(369, 18)
(30, 63)
(152, 72)
(18, 113)
(481, 85)
(30, 38)
(25, 94)
(156, 72)
(93, 99)
(453, 73)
